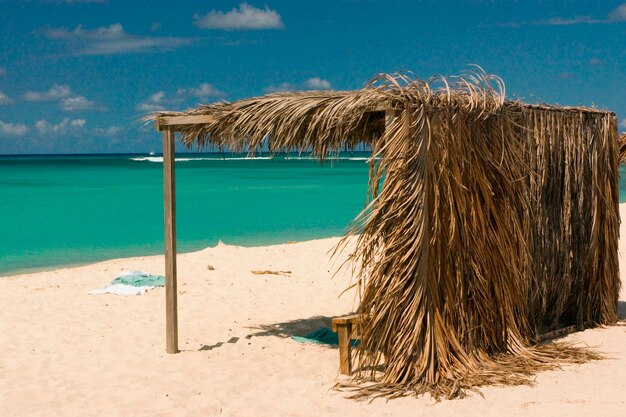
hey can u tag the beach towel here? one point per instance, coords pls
(130, 282)
(140, 279)
(127, 272)
(121, 289)
(322, 336)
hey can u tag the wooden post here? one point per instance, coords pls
(169, 206)
(345, 350)
(346, 328)
(390, 116)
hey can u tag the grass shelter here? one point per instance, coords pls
(488, 222)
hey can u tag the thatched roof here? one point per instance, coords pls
(488, 221)
(330, 121)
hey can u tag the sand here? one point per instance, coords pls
(66, 353)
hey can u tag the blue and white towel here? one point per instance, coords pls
(131, 283)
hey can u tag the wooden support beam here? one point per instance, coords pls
(169, 209)
(564, 331)
(176, 121)
(171, 122)
(387, 110)
(390, 116)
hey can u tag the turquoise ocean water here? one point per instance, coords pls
(67, 210)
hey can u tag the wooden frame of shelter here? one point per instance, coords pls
(488, 222)
(168, 125)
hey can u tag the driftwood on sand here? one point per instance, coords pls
(268, 272)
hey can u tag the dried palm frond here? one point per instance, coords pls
(491, 227)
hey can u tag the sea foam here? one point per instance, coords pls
(160, 159)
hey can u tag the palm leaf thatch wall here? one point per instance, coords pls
(488, 222)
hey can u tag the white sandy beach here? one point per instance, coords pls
(66, 353)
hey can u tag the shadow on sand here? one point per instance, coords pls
(302, 327)
(299, 327)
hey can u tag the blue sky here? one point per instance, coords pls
(76, 76)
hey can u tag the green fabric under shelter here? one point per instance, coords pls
(322, 336)
(141, 281)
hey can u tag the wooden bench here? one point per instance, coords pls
(347, 328)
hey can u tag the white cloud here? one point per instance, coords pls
(11, 129)
(279, 88)
(115, 31)
(56, 92)
(622, 124)
(243, 18)
(67, 100)
(134, 44)
(314, 83)
(78, 104)
(615, 16)
(559, 21)
(160, 102)
(203, 91)
(46, 128)
(106, 131)
(113, 39)
(565, 76)
(594, 62)
(154, 103)
(317, 83)
(4, 99)
(618, 14)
